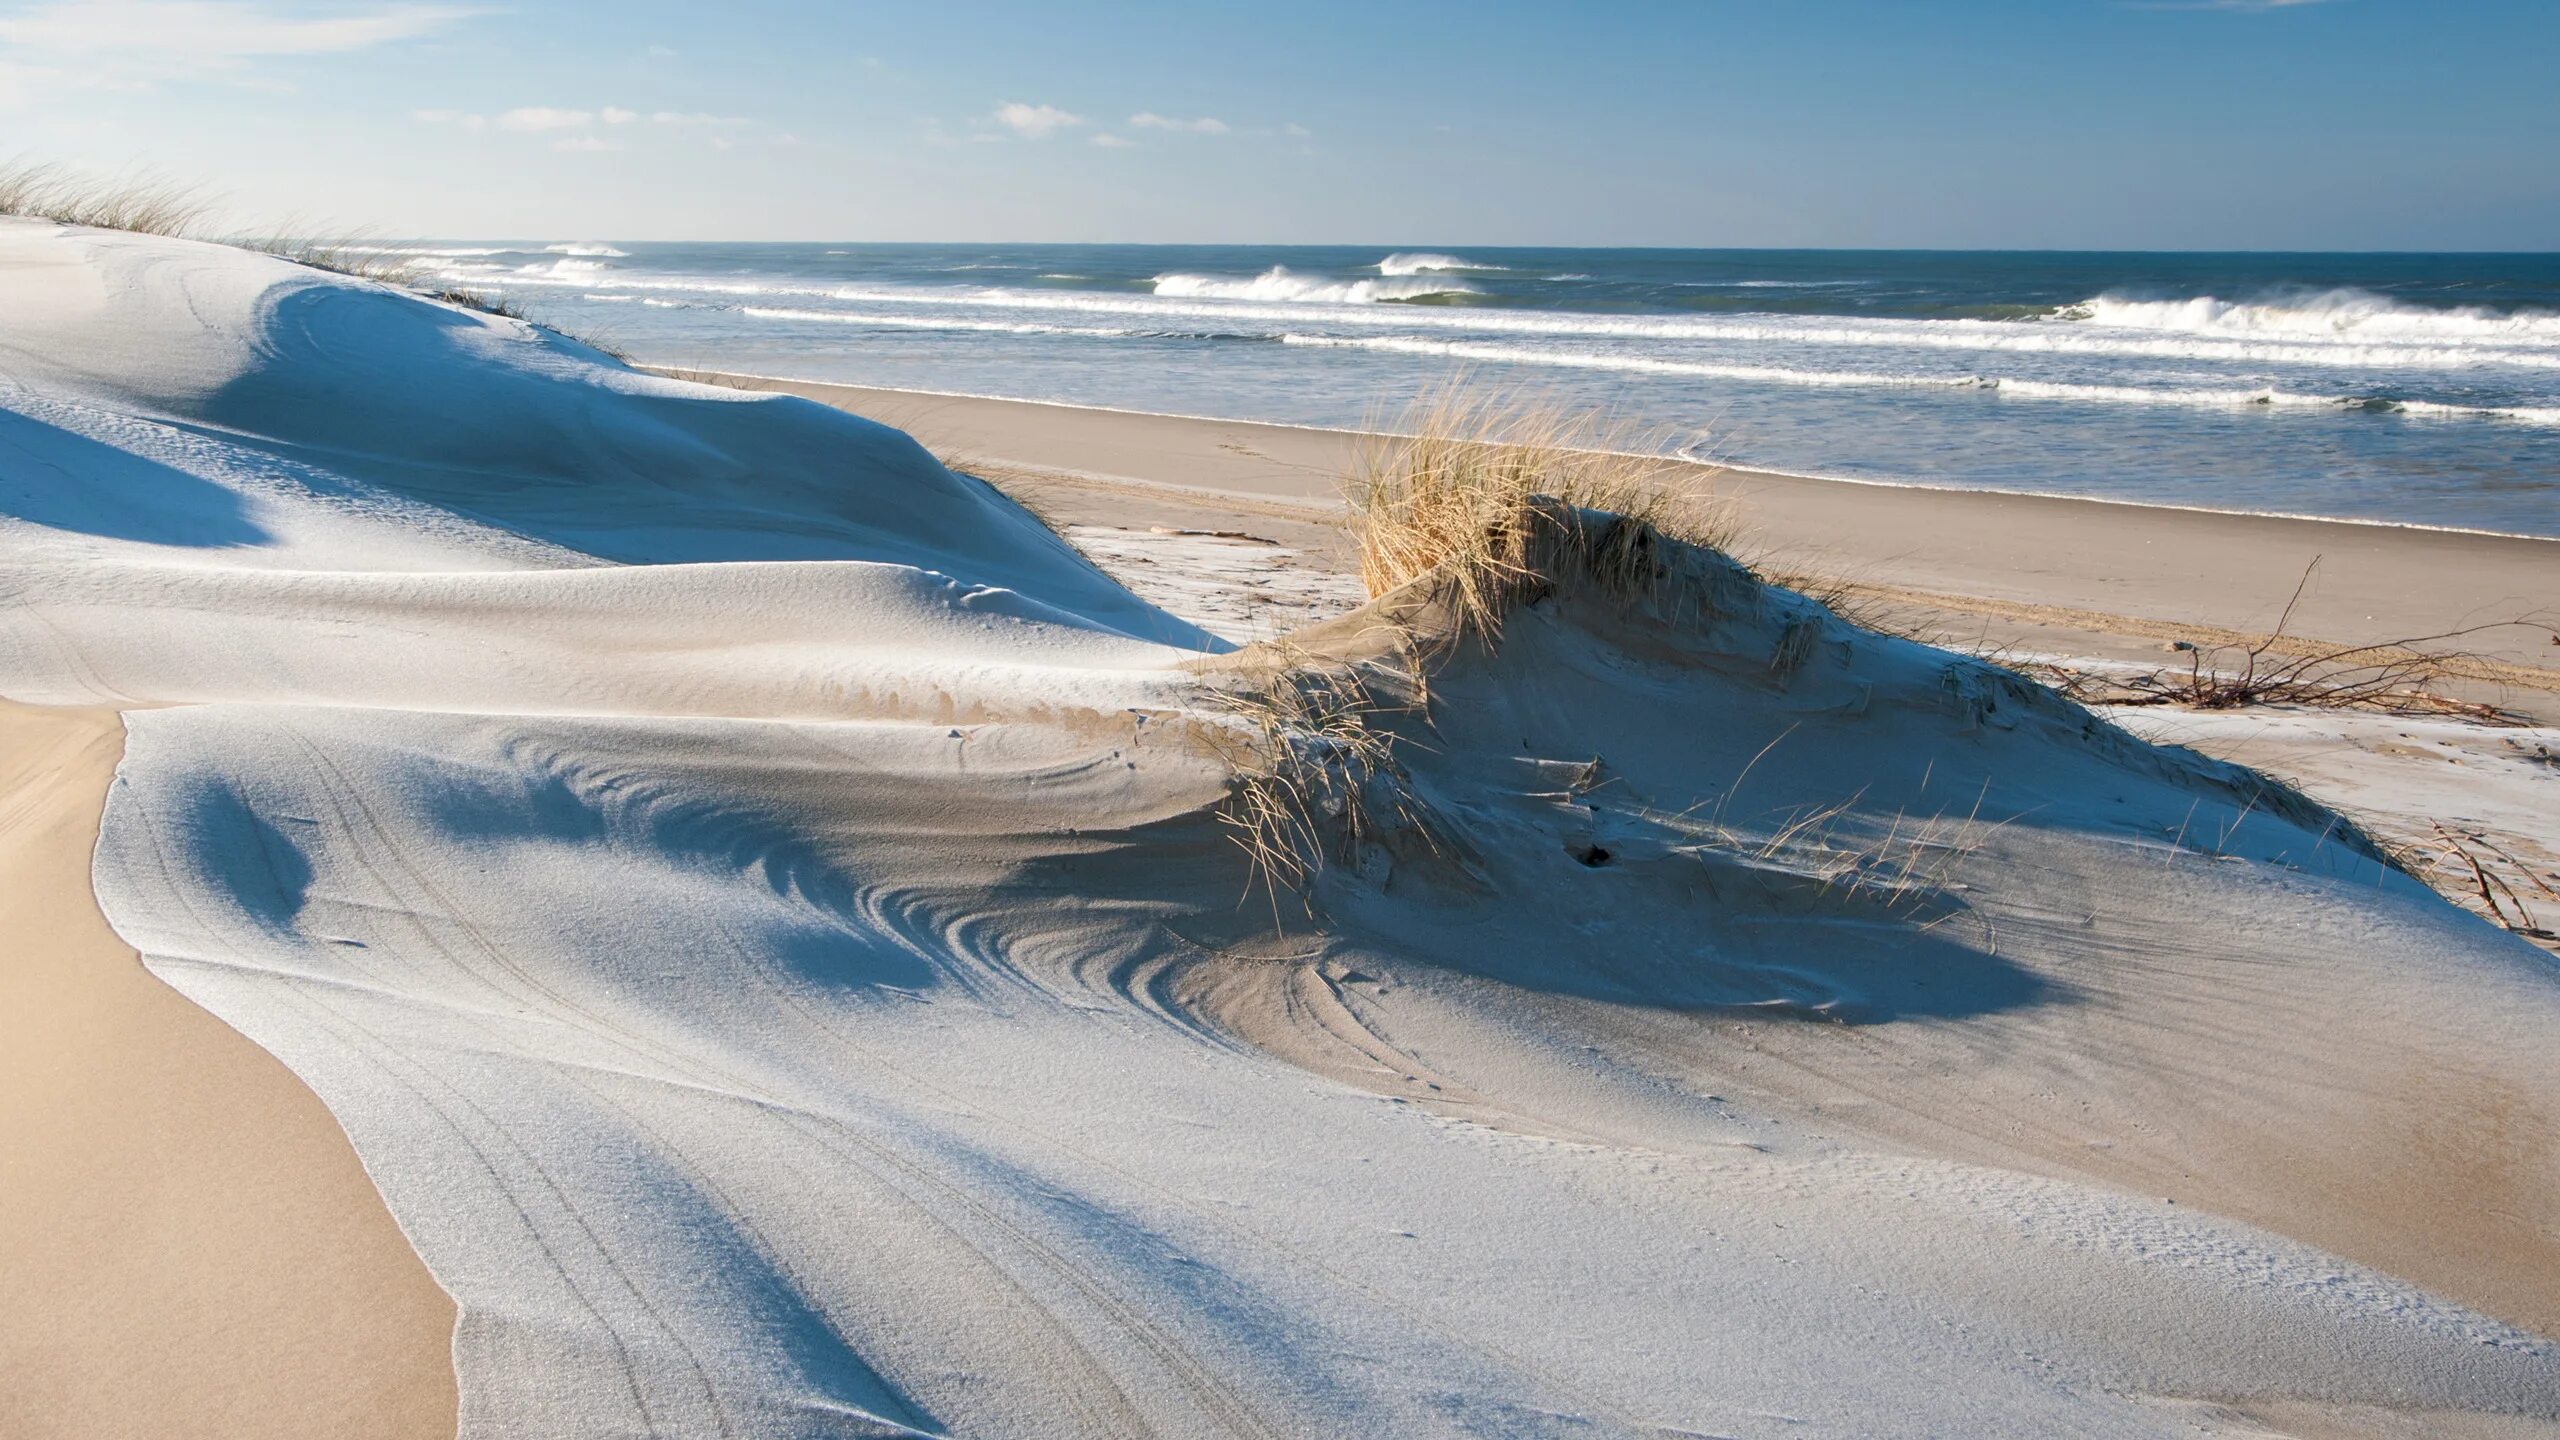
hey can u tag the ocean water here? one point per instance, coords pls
(2416, 389)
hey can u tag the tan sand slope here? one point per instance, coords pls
(190, 1245)
(2080, 576)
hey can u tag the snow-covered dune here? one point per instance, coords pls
(758, 905)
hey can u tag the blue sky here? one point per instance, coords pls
(2268, 124)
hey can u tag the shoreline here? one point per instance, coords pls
(2112, 580)
(194, 1246)
(1753, 471)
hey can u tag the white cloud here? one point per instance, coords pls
(134, 44)
(545, 117)
(1296, 131)
(1109, 141)
(206, 32)
(1205, 125)
(576, 126)
(462, 118)
(1035, 122)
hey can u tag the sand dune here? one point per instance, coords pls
(759, 907)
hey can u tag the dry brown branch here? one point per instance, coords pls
(2483, 869)
(2394, 677)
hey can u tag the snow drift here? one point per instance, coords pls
(759, 906)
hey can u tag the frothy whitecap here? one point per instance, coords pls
(1424, 262)
(1283, 284)
(2344, 314)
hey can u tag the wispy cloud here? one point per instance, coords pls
(586, 143)
(1205, 125)
(1109, 141)
(136, 44)
(1035, 122)
(198, 34)
(536, 118)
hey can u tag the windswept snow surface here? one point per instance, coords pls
(745, 892)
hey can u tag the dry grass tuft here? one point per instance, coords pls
(143, 204)
(338, 257)
(150, 206)
(1317, 783)
(1503, 499)
(496, 305)
(1498, 501)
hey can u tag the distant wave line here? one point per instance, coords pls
(2192, 397)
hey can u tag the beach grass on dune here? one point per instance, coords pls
(1474, 482)
(145, 205)
(149, 205)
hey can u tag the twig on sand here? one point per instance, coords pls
(2393, 677)
(2475, 854)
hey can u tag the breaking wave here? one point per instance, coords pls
(2346, 314)
(1423, 262)
(2193, 397)
(1282, 283)
(606, 251)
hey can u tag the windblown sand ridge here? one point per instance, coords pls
(759, 907)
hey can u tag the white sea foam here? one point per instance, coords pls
(2346, 314)
(920, 322)
(2200, 397)
(580, 271)
(1423, 262)
(1281, 283)
(1351, 306)
(1289, 297)
(1620, 361)
(2230, 360)
(2219, 398)
(586, 249)
(436, 252)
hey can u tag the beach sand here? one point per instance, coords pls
(191, 1246)
(2042, 574)
(765, 918)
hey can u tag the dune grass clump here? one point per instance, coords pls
(149, 206)
(1496, 501)
(1317, 782)
(1504, 499)
(380, 264)
(145, 205)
